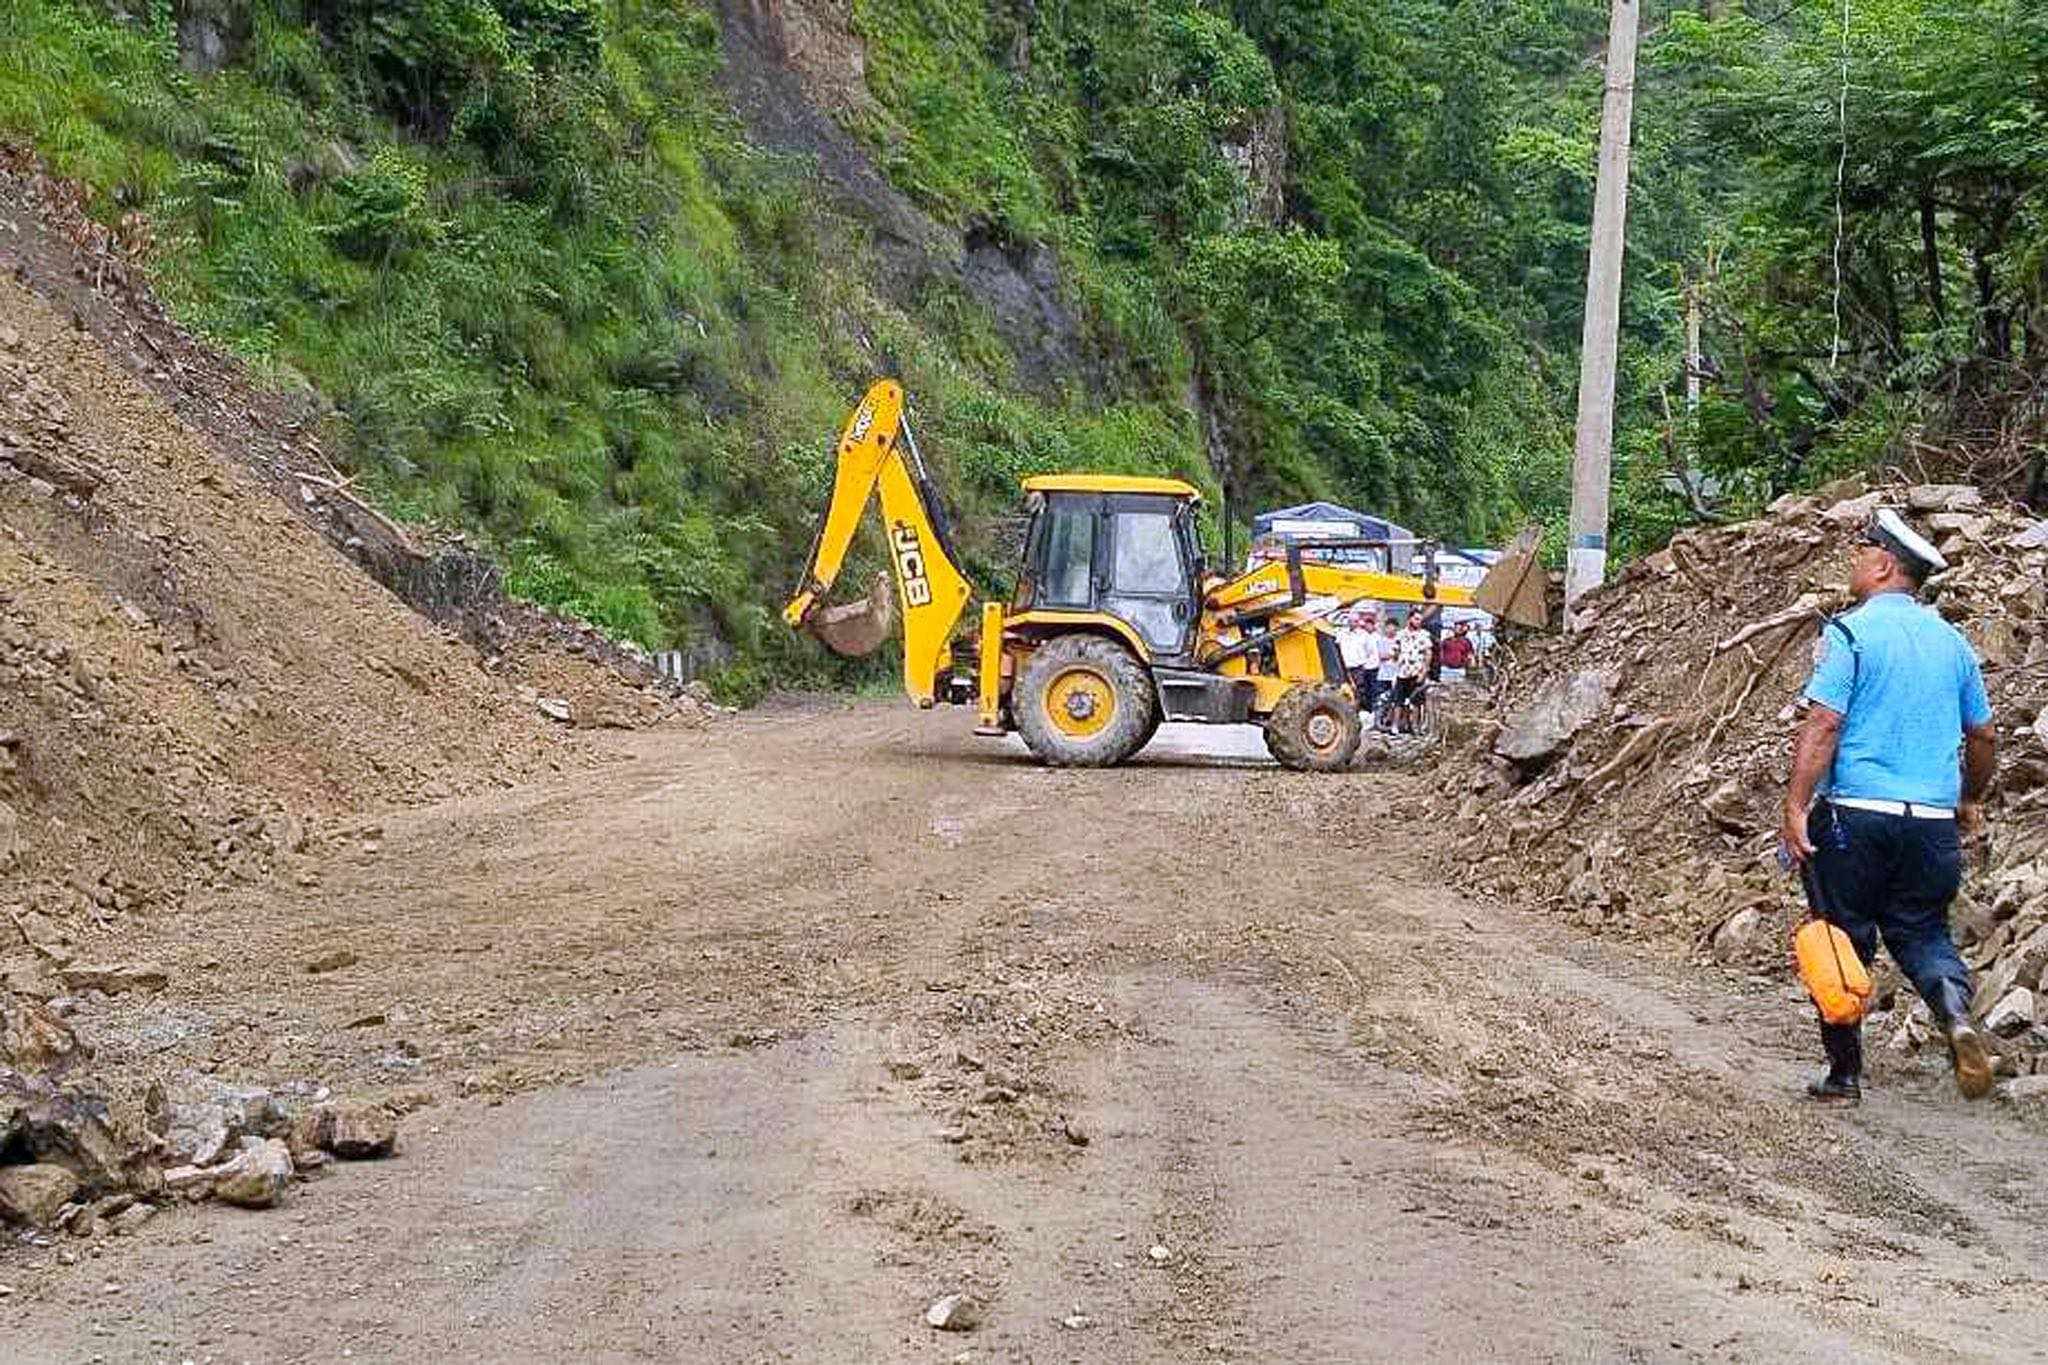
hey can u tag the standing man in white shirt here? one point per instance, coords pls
(1385, 656)
(1412, 652)
(1357, 643)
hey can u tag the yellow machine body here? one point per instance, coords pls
(1115, 625)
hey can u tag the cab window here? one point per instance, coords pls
(1147, 555)
(1069, 555)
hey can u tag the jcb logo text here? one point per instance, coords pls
(917, 589)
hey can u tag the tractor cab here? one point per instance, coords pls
(1115, 545)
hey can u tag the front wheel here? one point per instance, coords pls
(1082, 701)
(1315, 727)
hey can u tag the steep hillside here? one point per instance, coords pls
(593, 281)
(199, 685)
(540, 285)
(597, 281)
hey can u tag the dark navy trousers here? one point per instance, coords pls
(1891, 875)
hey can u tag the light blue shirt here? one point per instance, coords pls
(1906, 689)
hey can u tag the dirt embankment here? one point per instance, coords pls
(200, 685)
(1633, 777)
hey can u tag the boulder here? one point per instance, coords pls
(333, 960)
(1943, 497)
(64, 1125)
(191, 1182)
(1854, 511)
(1539, 730)
(198, 1134)
(354, 1130)
(1959, 523)
(33, 1194)
(1970, 920)
(251, 1111)
(2025, 1089)
(2033, 536)
(258, 1175)
(2019, 966)
(2012, 1015)
(132, 1218)
(1728, 808)
(29, 975)
(1737, 934)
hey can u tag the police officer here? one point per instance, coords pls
(1895, 693)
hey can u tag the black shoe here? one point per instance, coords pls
(1967, 1050)
(1833, 1091)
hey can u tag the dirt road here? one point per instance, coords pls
(759, 1041)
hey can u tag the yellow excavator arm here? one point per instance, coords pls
(1271, 584)
(878, 453)
(1287, 583)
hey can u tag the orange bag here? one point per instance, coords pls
(1833, 974)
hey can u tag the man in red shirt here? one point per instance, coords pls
(1458, 653)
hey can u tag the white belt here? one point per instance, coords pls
(1912, 808)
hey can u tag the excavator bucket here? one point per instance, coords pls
(856, 629)
(1513, 588)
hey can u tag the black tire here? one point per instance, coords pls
(1070, 672)
(1315, 728)
(1157, 718)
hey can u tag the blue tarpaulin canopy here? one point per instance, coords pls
(1320, 520)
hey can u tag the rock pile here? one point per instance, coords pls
(1633, 774)
(66, 1163)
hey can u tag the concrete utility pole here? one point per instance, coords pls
(1592, 451)
(1692, 347)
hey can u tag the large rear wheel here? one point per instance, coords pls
(1314, 727)
(1084, 702)
(1150, 730)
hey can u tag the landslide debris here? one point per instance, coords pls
(1632, 775)
(206, 677)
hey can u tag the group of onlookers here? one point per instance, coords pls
(1394, 657)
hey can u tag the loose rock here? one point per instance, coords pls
(132, 1218)
(333, 960)
(1548, 722)
(953, 1313)
(32, 1038)
(2013, 1015)
(353, 1130)
(33, 1194)
(257, 1177)
(115, 979)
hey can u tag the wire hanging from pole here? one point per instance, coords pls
(1841, 177)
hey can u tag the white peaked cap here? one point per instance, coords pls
(1902, 540)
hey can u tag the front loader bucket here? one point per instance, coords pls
(855, 629)
(1513, 588)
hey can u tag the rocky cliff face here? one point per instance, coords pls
(795, 71)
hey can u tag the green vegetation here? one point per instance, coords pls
(1943, 250)
(549, 290)
(1313, 247)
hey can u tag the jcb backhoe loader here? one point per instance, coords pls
(1115, 625)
